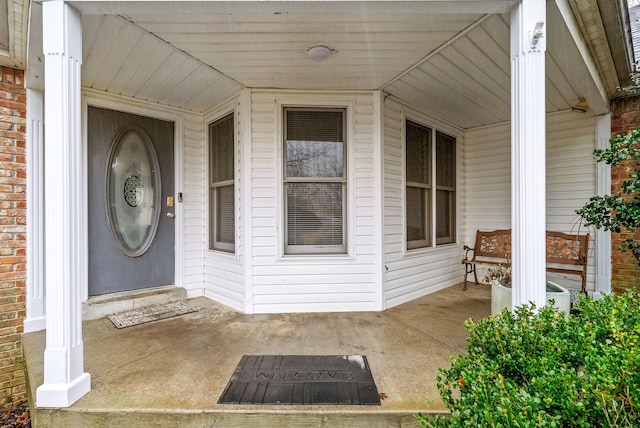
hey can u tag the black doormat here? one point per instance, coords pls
(302, 379)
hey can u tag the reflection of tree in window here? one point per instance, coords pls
(314, 159)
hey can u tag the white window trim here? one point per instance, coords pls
(319, 101)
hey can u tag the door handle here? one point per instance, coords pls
(170, 215)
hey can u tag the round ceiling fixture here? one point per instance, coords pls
(319, 52)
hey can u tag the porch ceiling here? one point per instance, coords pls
(448, 57)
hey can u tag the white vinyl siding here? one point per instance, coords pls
(193, 199)
(417, 272)
(571, 180)
(318, 282)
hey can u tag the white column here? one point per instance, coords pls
(35, 319)
(64, 377)
(603, 237)
(528, 164)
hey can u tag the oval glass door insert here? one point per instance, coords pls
(133, 191)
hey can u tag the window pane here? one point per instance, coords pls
(416, 214)
(314, 125)
(225, 225)
(221, 184)
(445, 160)
(314, 159)
(221, 148)
(418, 148)
(314, 143)
(314, 214)
(445, 218)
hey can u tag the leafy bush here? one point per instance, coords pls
(535, 368)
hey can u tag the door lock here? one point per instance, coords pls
(170, 215)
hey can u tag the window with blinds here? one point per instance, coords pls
(222, 185)
(430, 156)
(445, 188)
(315, 180)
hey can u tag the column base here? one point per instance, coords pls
(63, 394)
(35, 324)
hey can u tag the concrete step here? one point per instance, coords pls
(265, 418)
(114, 303)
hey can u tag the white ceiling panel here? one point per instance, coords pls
(266, 49)
(122, 58)
(449, 57)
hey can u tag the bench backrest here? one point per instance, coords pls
(494, 243)
(561, 248)
(566, 249)
(563, 251)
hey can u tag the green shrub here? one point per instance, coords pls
(535, 368)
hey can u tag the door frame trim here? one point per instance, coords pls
(127, 105)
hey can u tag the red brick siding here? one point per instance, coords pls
(12, 235)
(625, 269)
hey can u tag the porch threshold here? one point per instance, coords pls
(108, 304)
(172, 372)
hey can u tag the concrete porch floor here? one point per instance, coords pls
(170, 373)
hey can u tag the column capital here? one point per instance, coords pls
(61, 24)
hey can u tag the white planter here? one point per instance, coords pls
(501, 297)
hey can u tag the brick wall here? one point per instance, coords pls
(625, 269)
(12, 235)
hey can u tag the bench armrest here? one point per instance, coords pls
(467, 249)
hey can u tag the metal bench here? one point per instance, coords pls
(566, 253)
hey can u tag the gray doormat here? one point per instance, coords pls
(302, 379)
(149, 314)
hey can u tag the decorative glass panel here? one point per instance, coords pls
(133, 191)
